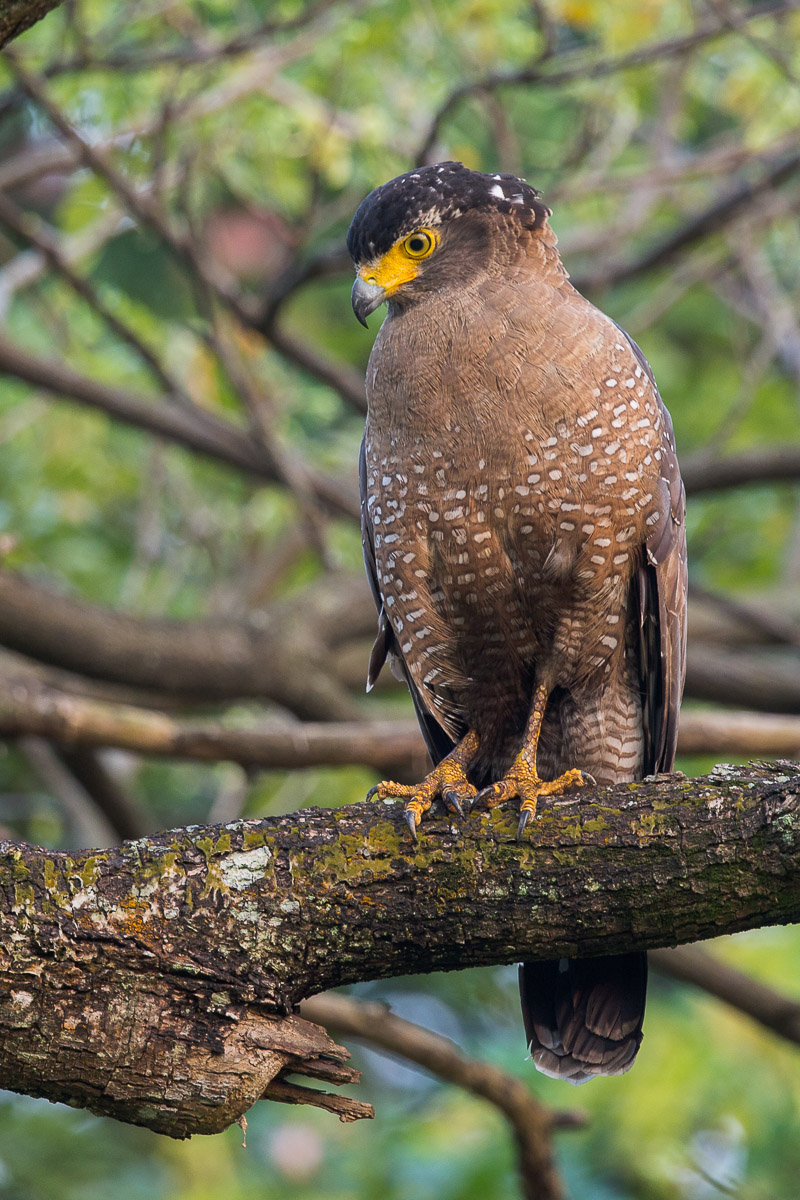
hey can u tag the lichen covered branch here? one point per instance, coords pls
(155, 982)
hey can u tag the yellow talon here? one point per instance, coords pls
(448, 779)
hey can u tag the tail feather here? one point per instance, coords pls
(583, 1017)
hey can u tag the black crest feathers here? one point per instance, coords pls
(431, 196)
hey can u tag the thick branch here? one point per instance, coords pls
(196, 939)
(27, 708)
(282, 656)
(750, 678)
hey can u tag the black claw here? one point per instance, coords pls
(590, 779)
(373, 791)
(411, 822)
(523, 821)
(452, 802)
(479, 800)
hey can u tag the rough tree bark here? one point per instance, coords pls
(156, 982)
(18, 15)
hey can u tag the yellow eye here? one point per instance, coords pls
(419, 244)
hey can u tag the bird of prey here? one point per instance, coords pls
(523, 528)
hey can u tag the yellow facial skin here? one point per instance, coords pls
(400, 264)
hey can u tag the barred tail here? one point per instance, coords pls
(583, 1017)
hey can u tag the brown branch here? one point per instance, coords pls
(325, 264)
(29, 709)
(770, 464)
(735, 204)
(691, 964)
(747, 678)
(531, 1123)
(739, 734)
(85, 824)
(195, 429)
(287, 469)
(348, 382)
(77, 724)
(143, 208)
(189, 55)
(345, 1108)
(18, 15)
(34, 231)
(281, 655)
(108, 795)
(745, 620)
(583, 68)
(193, 944)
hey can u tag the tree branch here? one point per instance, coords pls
(691, 964)
(531, 1123)
(192, 944)
(281, 654)
(735, 204)
(750, 678)
(30, 708)
(583, 68)
(768, 464)
(18, 15)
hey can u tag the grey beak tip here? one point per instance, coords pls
(365, 298)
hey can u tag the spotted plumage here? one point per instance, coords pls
(523, 533)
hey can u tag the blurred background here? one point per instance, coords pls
(184, 619)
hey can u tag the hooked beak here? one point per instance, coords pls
(365, 298)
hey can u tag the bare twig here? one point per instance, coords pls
(144, 209)
(583, 69)
(195, 53)
(342, 378)
(531, 1123)
(691, 964)
(716, 217)
(34, 231)
(285, 468)
(197, 429)
(89, 827)
(345, 1107)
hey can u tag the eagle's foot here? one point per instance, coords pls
(448, 779)
(523, 781)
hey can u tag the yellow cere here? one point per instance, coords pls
(400, 264)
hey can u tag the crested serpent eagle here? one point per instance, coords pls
(523, 525)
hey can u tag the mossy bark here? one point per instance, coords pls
(155, 982)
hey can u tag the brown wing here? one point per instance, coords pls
(661, 584)
(437, 740)
(584, 1017)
